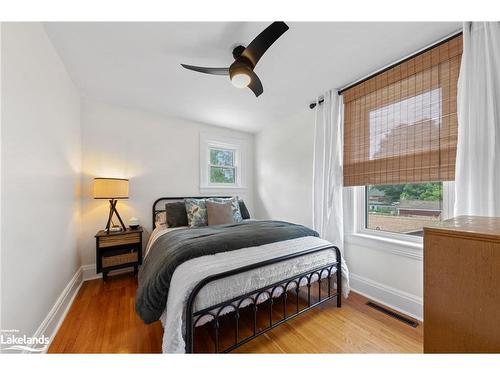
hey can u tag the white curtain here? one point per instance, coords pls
(327, 170)
(477, 174)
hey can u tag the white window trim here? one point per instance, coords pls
(410, 245)
(239, 146)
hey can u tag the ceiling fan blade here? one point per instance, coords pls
(201, 69)
(263, 41)
(255, 84)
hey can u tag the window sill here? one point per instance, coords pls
(212, 188)
(409, 249)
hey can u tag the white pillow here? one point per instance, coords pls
(160, 218)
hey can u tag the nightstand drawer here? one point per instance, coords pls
(117, 240)
(116, 260)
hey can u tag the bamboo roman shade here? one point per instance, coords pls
(400, 126)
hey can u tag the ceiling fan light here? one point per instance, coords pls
(240, 80)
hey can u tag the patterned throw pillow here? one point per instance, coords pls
(235, 205)
(196, 210)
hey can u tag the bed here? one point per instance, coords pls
(253, 267)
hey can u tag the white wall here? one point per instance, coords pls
(40, 177)
(159, 154)
(386, 271)
(283, 169)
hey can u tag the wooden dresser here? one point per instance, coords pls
(462, 286)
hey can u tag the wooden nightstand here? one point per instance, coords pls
(115, 250)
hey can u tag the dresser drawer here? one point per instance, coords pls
(122, 239)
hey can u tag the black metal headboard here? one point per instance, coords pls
(159, 204)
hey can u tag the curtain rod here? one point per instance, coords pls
(392, 65)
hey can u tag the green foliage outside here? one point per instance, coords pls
(392, 192)
(221, 157)
(429, 191)
(382, 211)
(221, 175)
(224, 159)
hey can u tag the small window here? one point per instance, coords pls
(223, 163)
(222, 169)
(405, 208)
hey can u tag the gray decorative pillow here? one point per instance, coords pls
(196, 210)
(176, 214)
(219, 212)
(234, 204)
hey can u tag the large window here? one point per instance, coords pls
(403, 208)
(400, 139)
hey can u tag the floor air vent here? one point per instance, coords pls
(393, 314)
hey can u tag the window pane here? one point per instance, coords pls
(222, 157)
(403, 120)
(404, 208)
(220, 175)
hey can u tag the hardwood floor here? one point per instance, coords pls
(103, 320)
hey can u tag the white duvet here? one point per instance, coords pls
(184, 279)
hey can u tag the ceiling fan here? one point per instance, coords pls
(241, 71)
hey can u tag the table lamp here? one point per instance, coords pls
(112, 189)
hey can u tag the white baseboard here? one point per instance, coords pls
(89, 272)
(56, 315)
(396, 299)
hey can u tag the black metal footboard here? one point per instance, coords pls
(290, 284)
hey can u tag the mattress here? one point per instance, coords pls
(189, 273)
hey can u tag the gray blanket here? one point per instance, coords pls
(179, 246)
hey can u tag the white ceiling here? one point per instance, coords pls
(138, 64)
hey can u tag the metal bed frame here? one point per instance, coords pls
(291, 284)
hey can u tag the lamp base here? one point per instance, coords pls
(112, 211)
